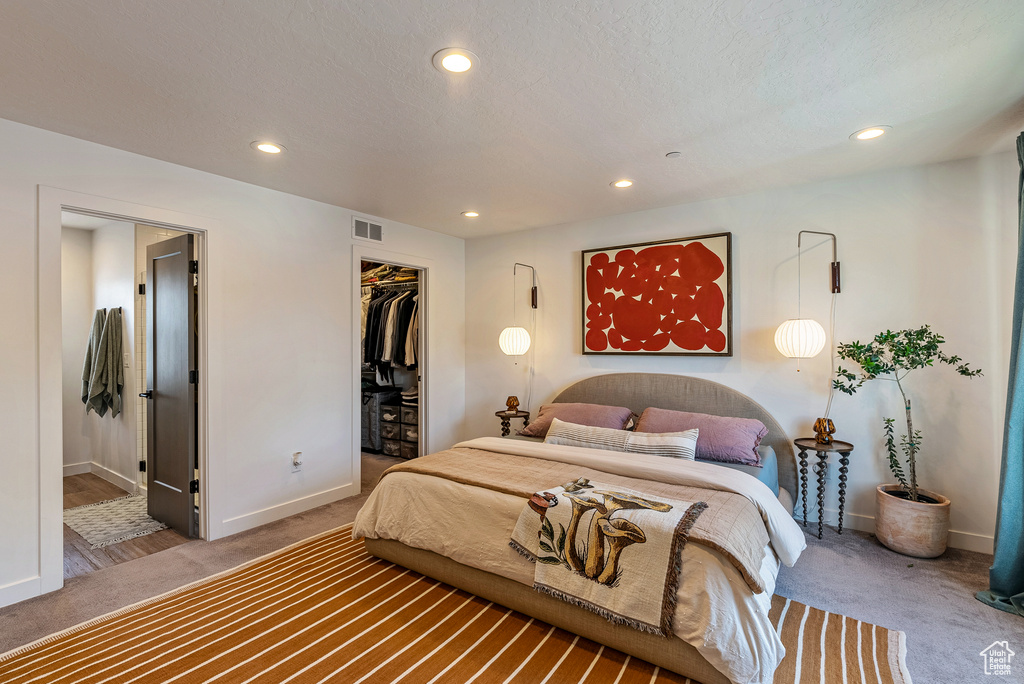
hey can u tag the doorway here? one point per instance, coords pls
(392, 312)
(109, 454)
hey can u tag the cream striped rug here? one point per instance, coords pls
(114, 521)
(324, 610)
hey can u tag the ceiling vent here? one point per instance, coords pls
(364, 229)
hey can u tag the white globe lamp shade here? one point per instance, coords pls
(514, 341)
(800, 338)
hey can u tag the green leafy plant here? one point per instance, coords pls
(892, 356)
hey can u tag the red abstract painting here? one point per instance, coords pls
(670, 297)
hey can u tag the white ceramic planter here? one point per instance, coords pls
(914, 528)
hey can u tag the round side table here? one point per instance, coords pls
(844, 449)
(507, 416)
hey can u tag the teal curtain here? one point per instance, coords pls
(1006, 576)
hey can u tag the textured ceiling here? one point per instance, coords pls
(567, 97)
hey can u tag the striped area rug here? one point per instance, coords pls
(324, 610)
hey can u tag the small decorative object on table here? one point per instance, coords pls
(822, 450)
(507, 416)
(512, 403)
(823, 431)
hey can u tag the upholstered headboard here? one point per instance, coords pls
(637, 391)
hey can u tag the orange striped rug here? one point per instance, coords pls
(324, 610)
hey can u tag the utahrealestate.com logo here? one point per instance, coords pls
(997, 658)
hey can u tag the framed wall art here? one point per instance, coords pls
(672, 297)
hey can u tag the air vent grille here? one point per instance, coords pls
(364, 229)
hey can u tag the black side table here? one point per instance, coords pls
(844, 449)
(507, 416)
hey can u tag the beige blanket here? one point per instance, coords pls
(731, 524)
(609, 550)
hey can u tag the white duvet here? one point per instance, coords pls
(716, 611)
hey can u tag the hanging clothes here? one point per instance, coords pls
(366, 295)
(388, 321)
(411, 348)
(403, 320)
(387, 352)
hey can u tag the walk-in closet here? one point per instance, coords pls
(391, 373)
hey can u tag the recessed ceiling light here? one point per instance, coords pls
(870, 133)
(455, 60)
(624, 183)
(266, 146)
(470, 214)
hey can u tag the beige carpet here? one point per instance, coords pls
(324, 610)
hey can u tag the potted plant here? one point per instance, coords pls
(909, 519)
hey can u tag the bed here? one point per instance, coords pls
(721, 627)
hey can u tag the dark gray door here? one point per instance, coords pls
(170, 341)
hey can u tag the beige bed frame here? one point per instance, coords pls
(670, 653)
(635, 391)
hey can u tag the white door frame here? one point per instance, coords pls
(53, 201)
(360, 253)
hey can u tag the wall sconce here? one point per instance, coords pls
(515, 341)
(804, 338)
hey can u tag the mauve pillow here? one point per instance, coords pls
(722, 438)
(595, 415)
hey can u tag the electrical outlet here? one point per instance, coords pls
(296, 461)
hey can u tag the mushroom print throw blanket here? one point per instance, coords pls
(613, 551)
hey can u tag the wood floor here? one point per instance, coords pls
(79, 558)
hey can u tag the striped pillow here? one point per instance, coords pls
(669, 444)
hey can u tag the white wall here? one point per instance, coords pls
(114, 438)
(76, 317)
(934, 244)
(97, 273)
(279, 282)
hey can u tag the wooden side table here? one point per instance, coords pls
(844, 449)
(506, 416)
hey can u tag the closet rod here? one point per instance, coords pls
(392, 284)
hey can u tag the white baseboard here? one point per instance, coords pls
(267, 515)
(113, 478)
(20, 590)
(96, 469)
(77, 468)
(968, 541)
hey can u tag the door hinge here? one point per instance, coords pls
(193, 487)
(142, 466)
(142, 288)
(193, 377)
(193, 266)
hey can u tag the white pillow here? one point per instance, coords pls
(669, 444)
